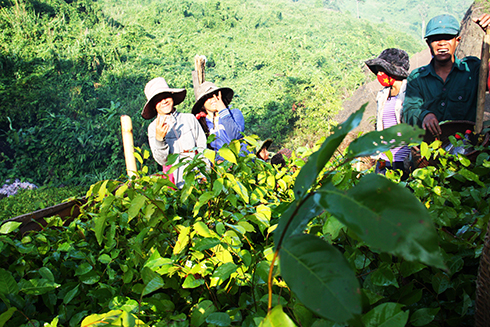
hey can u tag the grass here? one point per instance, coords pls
(26, 201)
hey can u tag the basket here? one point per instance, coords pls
(448, 128)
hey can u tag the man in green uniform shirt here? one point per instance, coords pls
(445, 89)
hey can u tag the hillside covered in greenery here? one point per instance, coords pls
(70, 68)
(409, 16)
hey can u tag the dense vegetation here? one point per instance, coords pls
(408, 16)
(70, 68)
(355, 249)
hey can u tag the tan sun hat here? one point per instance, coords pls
(155, 87)
(207, 88)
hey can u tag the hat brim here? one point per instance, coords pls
(226, 94)
(392, 70)
(149, 110)
(442, 31)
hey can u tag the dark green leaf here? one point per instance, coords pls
(8, 285)
(219, 319)
(374, 143)
(386, 315)
(321, 277)
(386, 216)
(423, 317)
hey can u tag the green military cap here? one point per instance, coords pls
(442, 24)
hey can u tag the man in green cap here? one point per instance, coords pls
(445, 89)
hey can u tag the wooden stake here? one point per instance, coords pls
(198, 75)
(482, 82)
(127, 136)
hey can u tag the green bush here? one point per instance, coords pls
(353, 249)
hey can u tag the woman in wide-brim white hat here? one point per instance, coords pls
(212, 111)
(171, 131)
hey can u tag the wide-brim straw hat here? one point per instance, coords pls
(207, 88)
(394, 62)
(155, 87)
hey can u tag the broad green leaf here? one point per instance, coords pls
(5, 316)
(147, 275)
(105, 259)
(384, 276)
(277, 318)
(423, 317)
(440, 282)
(90, 278)
(210, 154)
(203, 200)
(9, 227)
(182, 240)
(201, 311)
(238, 187)
(203, 230)
(191, 282)
(112, 318)
(425, 151)
(224, 271)
(387, 217)
(227, 154)
(386, 315)
(309, 172)
(153, 285)
(124, 303)
(83, 269)
(46, 273)
(469, 175)
(37, 286)
(136, 204)
(236, 228)
(220, 319)
(235, 147)
(321, 277)
(99, 228)
(206, 243)
(70, 295)
(8, 285)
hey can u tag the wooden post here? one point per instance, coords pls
(198, 75)
(127, 136)
(482, 82)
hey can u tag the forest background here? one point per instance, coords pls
(69, 69)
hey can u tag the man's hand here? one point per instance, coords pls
(161, 128)
(432, 124)
(483, 21)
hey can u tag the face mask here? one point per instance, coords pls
(385, 80)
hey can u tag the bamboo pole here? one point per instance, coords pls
(127, 136)
(482, 82)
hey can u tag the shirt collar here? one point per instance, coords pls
(429, 69)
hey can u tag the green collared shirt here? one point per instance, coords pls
(454, 99)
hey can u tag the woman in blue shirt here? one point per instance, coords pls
(212, 111)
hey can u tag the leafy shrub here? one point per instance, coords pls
(149, 254)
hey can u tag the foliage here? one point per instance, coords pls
(25, 201)
(290, 65)
(406, 16)
(146, 253)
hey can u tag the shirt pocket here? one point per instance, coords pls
(460, 95)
